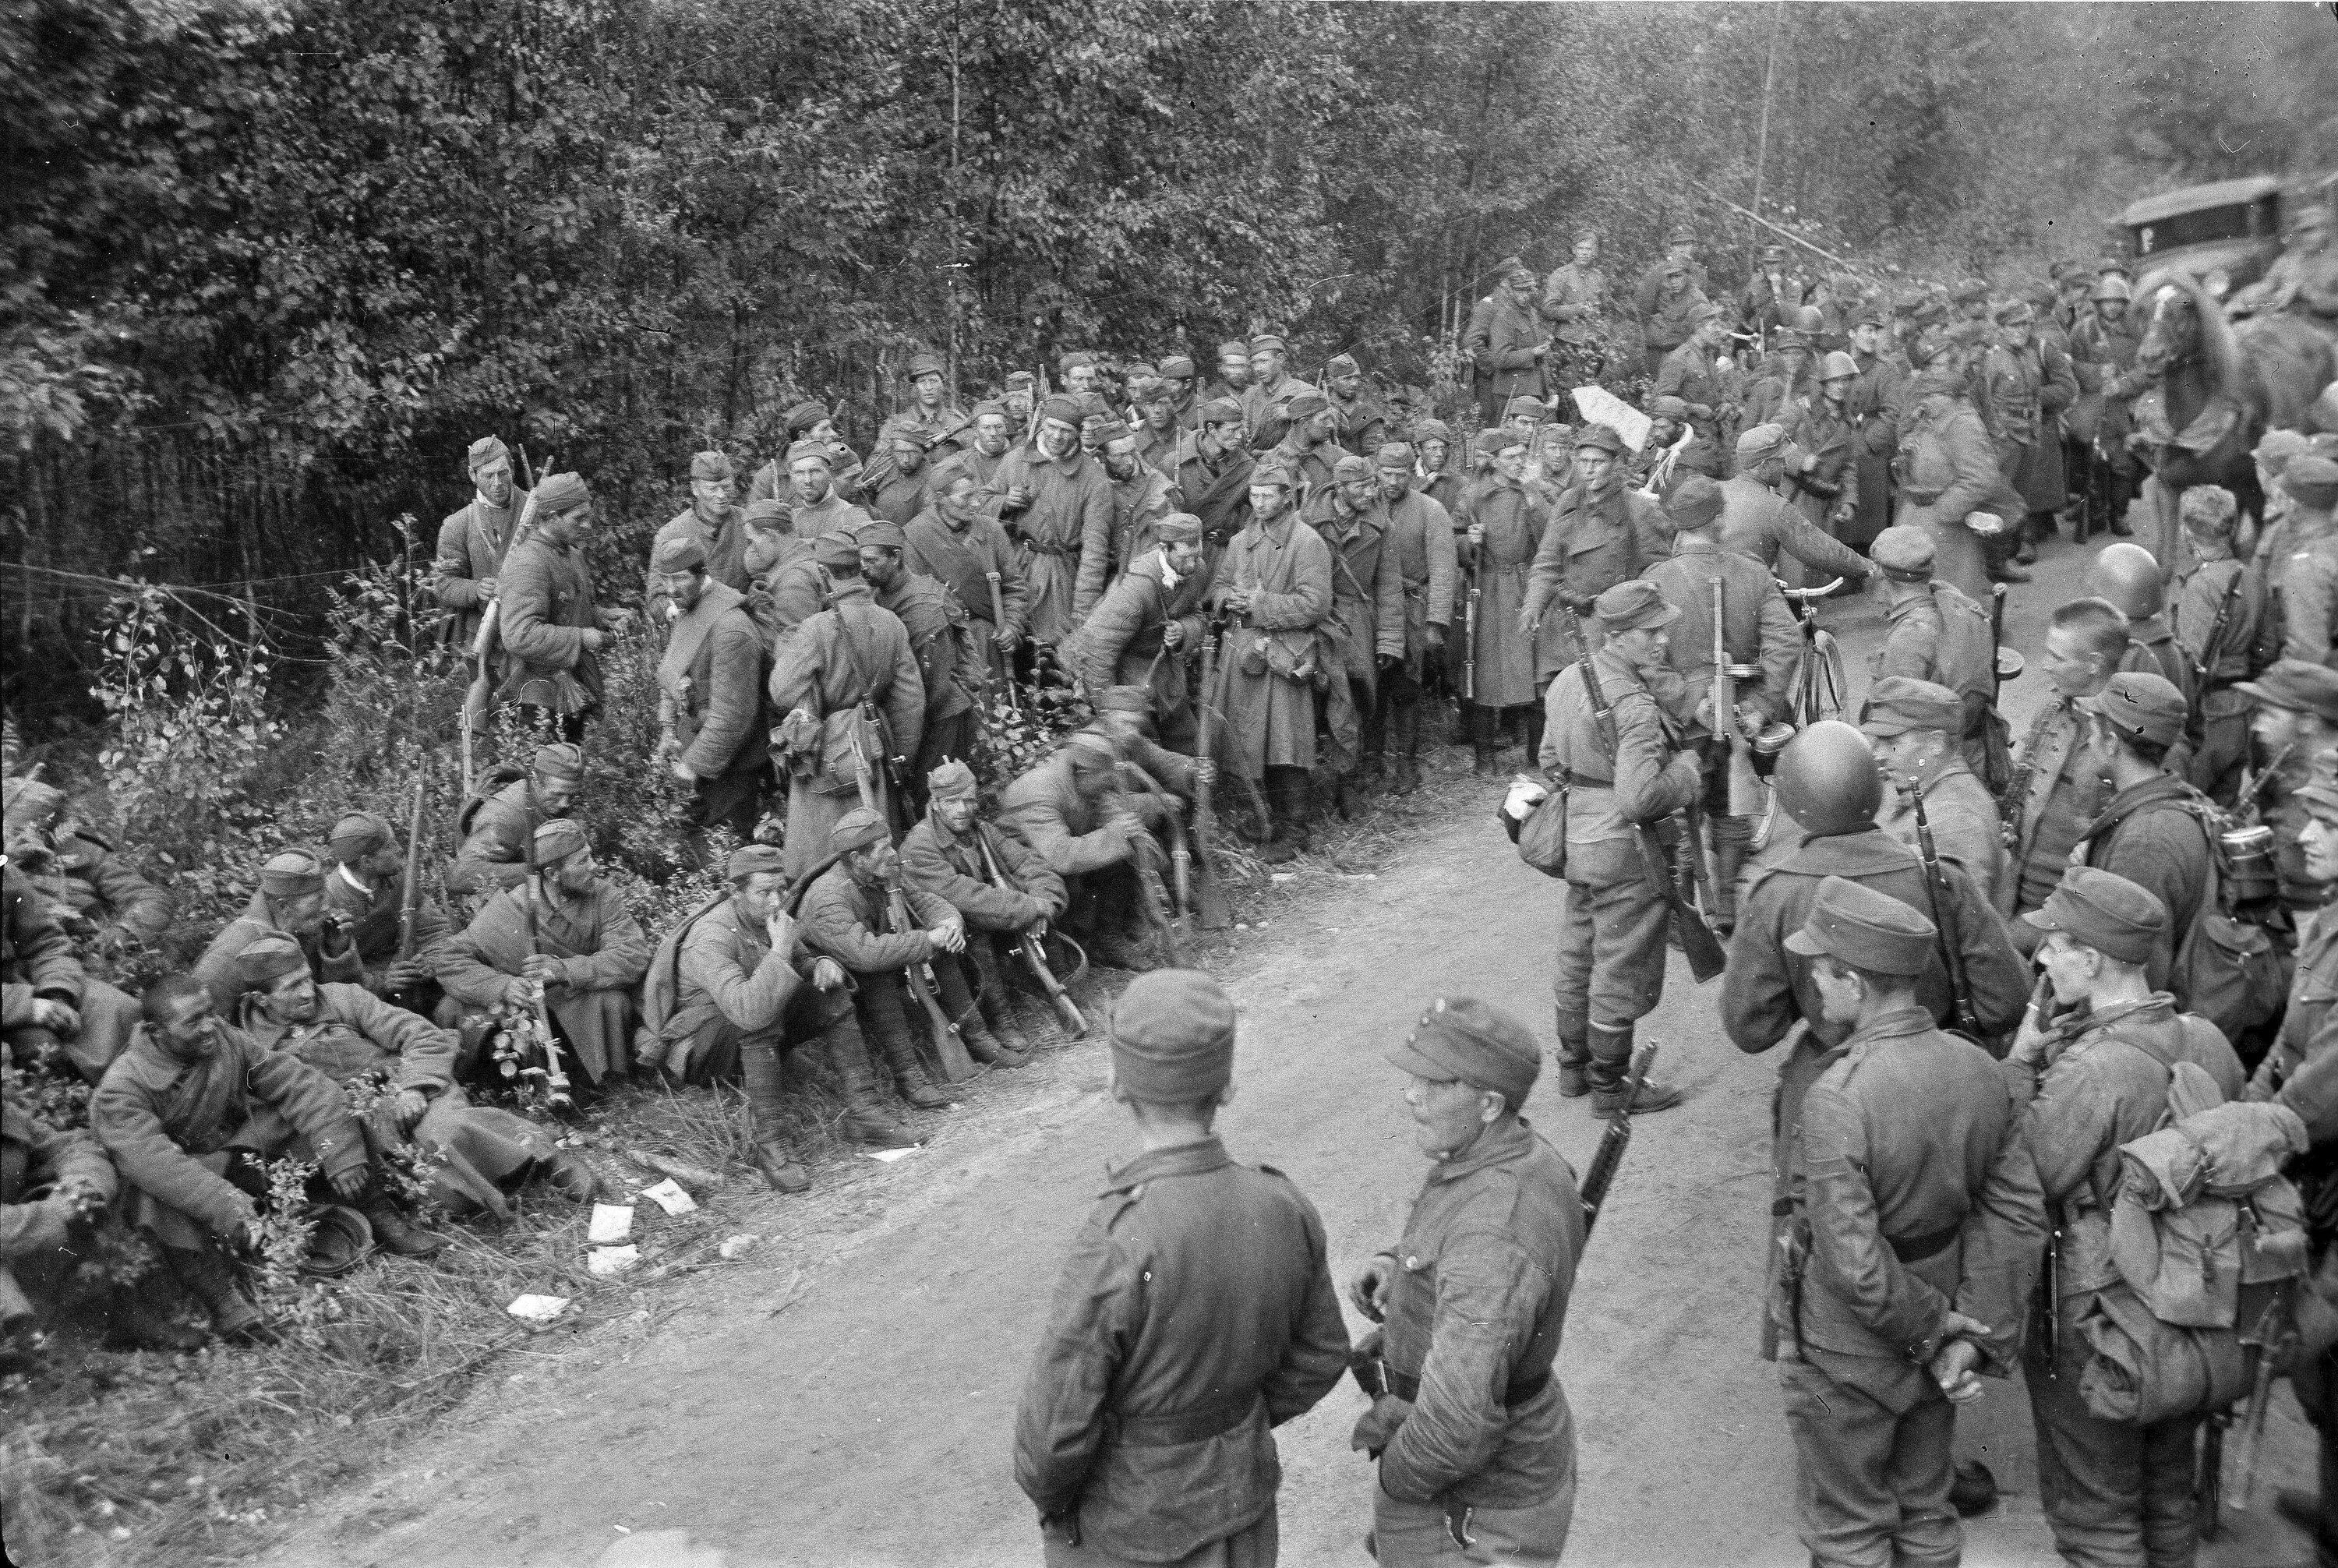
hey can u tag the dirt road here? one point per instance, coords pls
(850, 1401)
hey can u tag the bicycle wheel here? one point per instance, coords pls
(1823, 688)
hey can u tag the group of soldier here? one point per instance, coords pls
(1265, 582)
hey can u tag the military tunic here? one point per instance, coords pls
(2061, 780)
(724, 539)
(1874, 409)
(851, 653)
(1964, 816)
(1511, 668)
(471, 545)
(1687, 374)
(1946, 639)
(90, 885)
(602, 954)
(1120, 643)
(2216, 618)
(36, 964)
(217, 966)
(1946, 469)
(1065, 533)
(497, 831)
(711, 691)
(1274, 654)
(1594, 541)
(959, 557)
(546, 592)
(2147, 835)
(1194, 1313)
(1759, 525)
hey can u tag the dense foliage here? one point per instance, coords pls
(270, 265)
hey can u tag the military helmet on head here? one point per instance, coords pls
(2111, 286)
(1826, 779)
(2128, 575)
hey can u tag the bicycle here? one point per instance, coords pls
(1821, 689)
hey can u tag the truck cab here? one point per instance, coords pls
(2226, 233)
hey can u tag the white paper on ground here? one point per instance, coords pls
(608, 1261)
(612, 1222)
(537, 1308)
(890, 1155)
(669, 1196)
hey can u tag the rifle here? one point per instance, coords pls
(1470, 635)
(998, 622)
(1612, 1142)
(409, 908)
(556, 1078)
(1942, 898)
(1996, 639)
(483, 645)
(1706, 957)
(1211, 894)
(948, 1055)
(1033, 952)
(897, 770)
(1743, 785)
(1165, 911)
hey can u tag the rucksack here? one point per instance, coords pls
(2204, 1232)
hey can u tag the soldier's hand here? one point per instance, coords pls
(57, 1017)
(950, 936)
(350, 1182)
(1205, 772)
(1436, 637)
(246, 1233)
(486, 587)
(1173, 635)
(682, 771)
(411, 1104)
(1368, 1289)
(1528, 622)
(1017, 497)
(1955, 1369)
(592, 637)
(780, 927)
(543, 969)
(519, 992)
(619, 620)
(403, 975)
(826, 974)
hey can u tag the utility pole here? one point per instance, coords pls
(1762, 144)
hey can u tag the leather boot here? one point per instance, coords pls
(1287, 842)
(1732, 836)
(395, 1234)
(1329, 787)
(1611, 1069)
(1404, 726)
(1298, 807)
(138, 1317)
(761, 1064)
(1574, 1057)
(209, 1279)
(1533, 760)
(998, 1016)
(888, 1032)
(1481, 740)
(865, 1120)
(985, 1046)
(570, 1177)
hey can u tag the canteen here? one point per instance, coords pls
(2248, 856)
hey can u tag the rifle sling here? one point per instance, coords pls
(1406, 1385)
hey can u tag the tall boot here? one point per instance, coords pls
(1404, 738)
(392, 1231)
(138, 1317)
(1535, 717)
(1732, 838)
(765, 1083)
(1289, 838)
(1481, 739)
(1574, 1054)
(1611, 1071)
(998, 1009)
(210, 1280)
(885, 1025)
(865, 1120)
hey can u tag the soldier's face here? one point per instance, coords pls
(809, 480)
(1447, 1117)
(1510, 463)
(762, 893)
(1233, 369)
(1587, 252)
(1358, 493)
(302, 917)
(1120, 457)
(928, 389)
(290, 998)
(1906, 754)
(1058, 436)
(2111, 309)
(1349, 384)
(1642, 647)
(2070, 969)
(908, 457)
(555, 793)
(1160, 413)
(387, 861)
(712, 494)
(955, 812)
(990, 435)
(1266, 365)
(825, 433)
(1266, 501)
(2320, 842)
(189, 1029)
(1432, 454)
(878, 564)
(1183, 556)
(1394, 483)
(1675, 282)
(575, 874)
(1080, 378)
(1593, 464)
(683, 588)
(1867, 338)
(1840, 991)
(495, 481)
(2072, 669)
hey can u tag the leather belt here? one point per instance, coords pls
(1916, 1248)
(1406, 1385)
(1179, 1426)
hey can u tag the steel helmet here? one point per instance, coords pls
(1826, 779)
(1837, 366)
(2111, 286)
(2128, 575)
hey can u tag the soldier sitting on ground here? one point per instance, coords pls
(943, 856)
(289, 899)
(845, 915)
(567, 932)
(368, 886)
(95, 894)
(1072, 813)
(470, 1156)
(50, 1004)
(495, 828)
(746, 989)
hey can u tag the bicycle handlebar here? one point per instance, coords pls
(1808, 593)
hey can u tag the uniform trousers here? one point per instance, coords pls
(2116, 1495)
(1611, 939)
(1873, 1465)
(731, 799)
(1453, 1535)
(1252, 1547)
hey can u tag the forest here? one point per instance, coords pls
(270, 266)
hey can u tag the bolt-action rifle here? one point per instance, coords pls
(1614, 1141)
(948, 1054)
(1944, 900)
(409, 906)
(1033, 952)
(483, 645)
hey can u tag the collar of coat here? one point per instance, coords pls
(1497, 1145)
(1865, 853)
(1947, 765)
(1183, 1159)
(2131, 801)
(1900, 1024)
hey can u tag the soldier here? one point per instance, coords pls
(2293, 730)
(2304, 565)
(495, 828)
(1507, 525)
(1669, 298)
(2104, 342)
(2127, 577)
(1308, 449)
(92, 889)
(1078, 371)
(1272, 385)
(1620, 772)
(1177, 374)
(1936, 634)
(2024, 387)
(49, 1004)
(1505, 340)
(1688, 372)
(1945, 471)
(2113, 1492)
(1058, 506)
(565, 935)
(367, 888)
(2304, 278)
(1233, 372)
(1273, 588)
(1156, 428)
(1874, 407)
(711, 730)
(1673, 451)
(748, 988)
(1194, 1314)
(1600, 533)
(993, 433)
(851, 659)
(1472, 1301)
(470, 1156)
(1070, 811)
(941, 641)
(2150, 831)
(1576, 297)
(290, 900)
(1756, 628)
(1141, 496)
(1771, 292)
(1755, 522)
(2217, 615)
(2061, 772)
(1912, 726)
(808, 425)
(905, 490)
(1420, 538)
(1212, 473)
(784, 588)
(1914, 1222)
(1364, 422)
(189, 1114)
(846, 915)
(712, 520)
(943, 855)
(1366, 613)
(929, 413)
(956, 544)
(1826, 488)
(816, 493)
(1152, 619)
(552, 631)
(472, 541)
